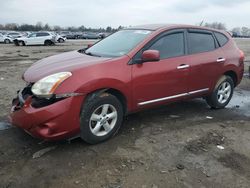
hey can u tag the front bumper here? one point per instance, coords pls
(55, 121)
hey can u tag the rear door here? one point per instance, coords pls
(206, 60)
(41, 37)
(163, 81)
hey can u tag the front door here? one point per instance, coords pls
(163, 81)
(31, 40)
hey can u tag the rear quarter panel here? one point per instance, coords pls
(232, 55)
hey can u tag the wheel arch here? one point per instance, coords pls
(16, 42)
(6, 39)
(117, 93)
(48, 40)
(233, 75)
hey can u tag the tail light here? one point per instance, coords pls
(242, 57)
(241, 63)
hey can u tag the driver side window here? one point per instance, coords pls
(33, 35)
(171, 45)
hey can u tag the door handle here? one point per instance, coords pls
(220, 60)
(184, 66)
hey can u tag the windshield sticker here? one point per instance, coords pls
(144, 32)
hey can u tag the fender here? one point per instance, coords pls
(108, 83)
(236, 70)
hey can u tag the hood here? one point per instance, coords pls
(21, 38)
(68, 61)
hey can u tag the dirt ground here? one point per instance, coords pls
(180, 145)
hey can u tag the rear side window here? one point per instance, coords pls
(42, 34)
(171, 45)
(222, 39)
(200, 42)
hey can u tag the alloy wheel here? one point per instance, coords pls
(224, 92)
(103, 120)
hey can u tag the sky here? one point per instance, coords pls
(103, 13)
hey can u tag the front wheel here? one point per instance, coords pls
(101, 117)
(21, 43)
(222, 93)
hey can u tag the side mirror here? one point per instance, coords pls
(150, 55)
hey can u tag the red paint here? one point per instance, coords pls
(137, 82)
(150, 55)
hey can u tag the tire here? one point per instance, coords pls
(16, 42)
(21, 43)
(60, 40)
(95, 124)
(6, 41)
(222, 93)
(47, 43)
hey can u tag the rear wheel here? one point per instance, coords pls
(6, 41)
(101, 117)
(48, 43)
(222, 93)
(60, 40)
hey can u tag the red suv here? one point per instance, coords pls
(87, 92)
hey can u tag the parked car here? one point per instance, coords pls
(70, 35)
(5, 39)
(90, 36)
(88, 92)
(38, 38)
(14, 35)
(103, 35)
(60, 38)
(3, 32)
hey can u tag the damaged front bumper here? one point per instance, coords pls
(49, 119)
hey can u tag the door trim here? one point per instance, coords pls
(172, 97)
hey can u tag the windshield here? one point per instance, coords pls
(118, 44)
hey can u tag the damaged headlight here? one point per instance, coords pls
(47, 86)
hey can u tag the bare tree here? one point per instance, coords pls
(47, 27)
(57, 28)
(245, 31)
(236, 30)
(11, 26)
(241, 31)
(216, 25)
(39, 26)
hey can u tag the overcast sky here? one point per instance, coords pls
(103, 13)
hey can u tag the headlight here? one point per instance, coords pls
(46, 86)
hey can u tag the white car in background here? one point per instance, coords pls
(14, 35)
(60, 38)
(38, 38)
(5, 39)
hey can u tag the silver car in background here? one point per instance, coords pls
(5, 39)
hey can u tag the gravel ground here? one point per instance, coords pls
(180, 145)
